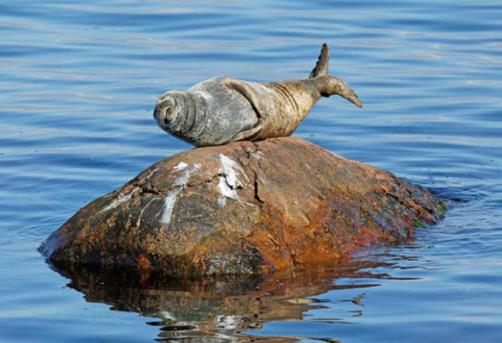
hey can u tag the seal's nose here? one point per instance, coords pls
(158, 113)
(163, 110)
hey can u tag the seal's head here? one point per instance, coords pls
(167, 110)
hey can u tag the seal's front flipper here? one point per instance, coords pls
(250, 94)
(248, 134)
(322, 65)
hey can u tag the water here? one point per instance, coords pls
(77, 90)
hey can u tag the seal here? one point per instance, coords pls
(223, 110)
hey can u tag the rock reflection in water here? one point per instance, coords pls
(214, 310)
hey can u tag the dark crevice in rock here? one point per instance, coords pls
(418, 199)
(255, 174)
(152, 191)
(229, 184)
(398, 199)
(247, 166)
(256, 192)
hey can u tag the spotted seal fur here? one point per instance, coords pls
(223, 110)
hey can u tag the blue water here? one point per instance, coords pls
(78, 83)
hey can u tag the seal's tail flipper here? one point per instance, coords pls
(321, 67)
(331, 85)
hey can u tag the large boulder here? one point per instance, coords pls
(243, 208)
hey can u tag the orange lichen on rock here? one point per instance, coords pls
(243, 208)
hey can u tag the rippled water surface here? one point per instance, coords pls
(78, 85)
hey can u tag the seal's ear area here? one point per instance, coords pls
(322, 65)
(329, 85)
(249, 93)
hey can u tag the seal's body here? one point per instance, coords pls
(222, 110)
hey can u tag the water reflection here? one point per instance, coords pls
(219, 310)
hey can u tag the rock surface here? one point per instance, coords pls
(243, 208)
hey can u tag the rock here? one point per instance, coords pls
(243, 208)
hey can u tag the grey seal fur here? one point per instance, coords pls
(223, 110)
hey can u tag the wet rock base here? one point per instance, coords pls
(243, 208)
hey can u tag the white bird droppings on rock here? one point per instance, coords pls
(138, 222)
(169, 202)
(229, 179)
(120, 199)
(179, 184)
(180, 166)
(150, 174)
